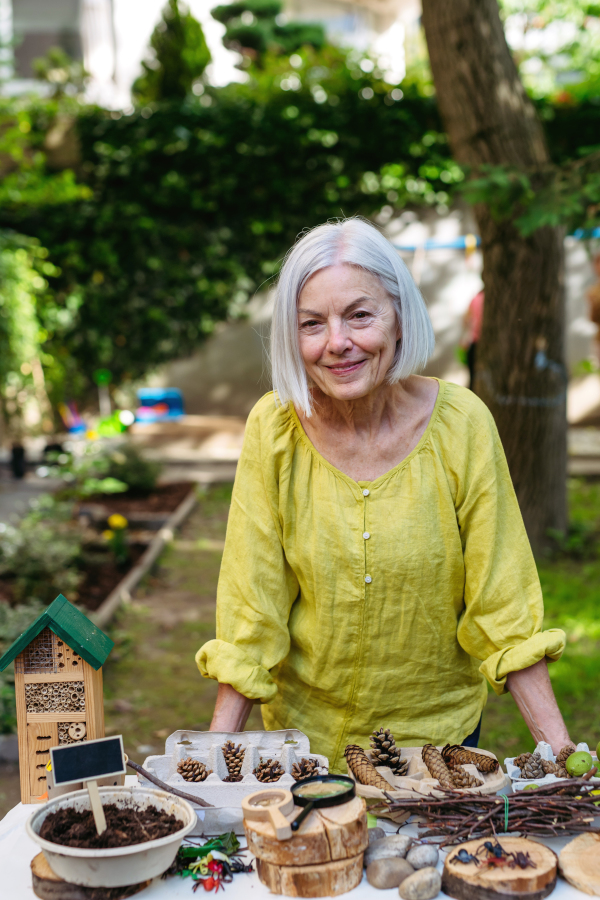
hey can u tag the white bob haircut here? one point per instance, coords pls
(354, 242)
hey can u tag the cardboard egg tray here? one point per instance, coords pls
(545, 751)
(418, 781)
(285, 747)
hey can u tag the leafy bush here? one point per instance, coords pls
(127, 464)
(14, 620)
(254, 27)
(179, 56)
(39, 556)
(192, 205)
(104, 468)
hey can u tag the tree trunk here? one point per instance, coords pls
(520, 369)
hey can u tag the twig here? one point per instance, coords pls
(166, 787)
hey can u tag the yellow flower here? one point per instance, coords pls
(108, 535)
(117, 521)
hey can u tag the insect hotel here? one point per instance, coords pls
(58, 688)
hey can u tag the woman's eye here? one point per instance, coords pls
(309, 323)
(361, 315)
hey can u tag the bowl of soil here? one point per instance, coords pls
(145, 828)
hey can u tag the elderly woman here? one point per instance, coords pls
(376, 568)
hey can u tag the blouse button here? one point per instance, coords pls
(366, 535)
(368, 579)
(366, 492)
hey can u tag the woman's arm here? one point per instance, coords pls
(231, 710)
(533, 694)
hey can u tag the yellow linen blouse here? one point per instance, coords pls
(345, 605)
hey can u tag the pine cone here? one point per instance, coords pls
(306, 768)
(463, 779)
(232, 778)
(565, 753)
(435, 763)
(363, 769)
(385, 753)
(522, 759)
(234, 757)
(193, 769)
(269, 771)
(552, 768)
(532, 767)
(454, 755)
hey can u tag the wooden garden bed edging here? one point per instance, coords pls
(125, 589)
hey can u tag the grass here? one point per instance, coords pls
(571, 588)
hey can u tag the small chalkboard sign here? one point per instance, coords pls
(88, 760)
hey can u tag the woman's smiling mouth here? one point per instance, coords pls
(345, 368)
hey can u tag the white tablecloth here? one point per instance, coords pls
(17, 850)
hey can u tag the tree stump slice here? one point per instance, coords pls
(49, 886)
(328, 834)
(579, 863)
(326, 880)
(471, 882)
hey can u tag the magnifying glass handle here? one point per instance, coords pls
(300, 818)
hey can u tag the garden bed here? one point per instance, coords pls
(165, 498)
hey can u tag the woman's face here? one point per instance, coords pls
(347, 330)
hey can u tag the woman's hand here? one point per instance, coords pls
(533, 694)
(231, 710)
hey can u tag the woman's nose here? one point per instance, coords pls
(338, 339)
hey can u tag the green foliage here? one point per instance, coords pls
(39, 555)
(255, 28)
(127, 464)
(179, 56)
(557, 46)
(24, 269)
(192, 206)
(14, 620)
(567, 195)
(104, 467)
(64, 74)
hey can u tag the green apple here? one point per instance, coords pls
(531, 787)
(579, 763)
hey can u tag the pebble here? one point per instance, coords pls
(375, 834)
(422, 856)
(422, 885)
(388, 873)
(387, 847)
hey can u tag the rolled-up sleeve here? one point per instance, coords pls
(502, 622)
(256, 584)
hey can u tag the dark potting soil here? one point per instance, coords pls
(164, 498)
(124, 827)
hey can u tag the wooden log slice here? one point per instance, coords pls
(482, 882)
(579, 863)
(326, 880)
(49, 886)
(335, 832)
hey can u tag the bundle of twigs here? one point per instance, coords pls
(552, 810)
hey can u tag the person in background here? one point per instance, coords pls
(472, 322)
(593, 298)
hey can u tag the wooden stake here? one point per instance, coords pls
(96, 803)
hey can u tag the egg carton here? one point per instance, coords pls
(285, 747)
(545, 751)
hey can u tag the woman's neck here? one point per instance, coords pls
(366, 415)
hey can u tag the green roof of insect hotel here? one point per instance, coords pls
(71, 626)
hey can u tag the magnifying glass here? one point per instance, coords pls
(321, 791)
(272, 805)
